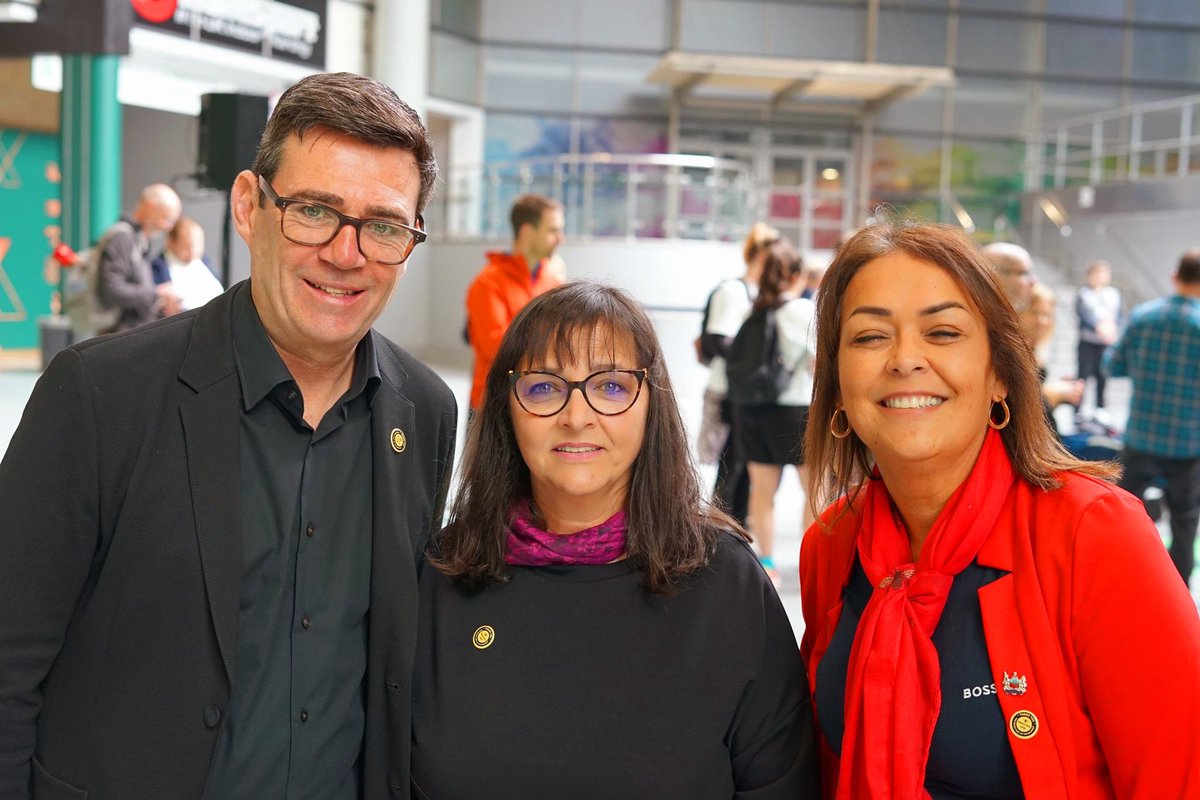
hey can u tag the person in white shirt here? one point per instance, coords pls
(728, 306)
(184, 268)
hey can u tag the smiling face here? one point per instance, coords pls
(580, 462)
(316, 303)
(915, 370)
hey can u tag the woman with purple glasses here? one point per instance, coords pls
(590, 626)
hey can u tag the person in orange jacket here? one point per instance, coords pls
(986, 616)
(510, 280)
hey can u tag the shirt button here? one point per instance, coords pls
(291, 395)
(212, 715)
(304, 715)
(311, 530)
(305, 622)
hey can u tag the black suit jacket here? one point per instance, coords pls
(121, 562)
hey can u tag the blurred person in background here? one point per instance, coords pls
(770, 418)
(510, 280)
(184, 268)
(1098, 308)
(727, 307)
(1160, 352)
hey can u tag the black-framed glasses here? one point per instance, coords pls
(609, 392)
(313, 224)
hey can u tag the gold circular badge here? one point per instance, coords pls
(1023, 724)
(398, 440)
(483, 637)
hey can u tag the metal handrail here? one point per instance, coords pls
(1084, 148)
(608, 194)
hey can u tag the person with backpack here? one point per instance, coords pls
(769, 369)
(124, 281)
(728, 305)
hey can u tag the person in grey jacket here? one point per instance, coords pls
(125, 282)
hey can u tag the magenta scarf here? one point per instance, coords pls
(893, 689)
(530, 546)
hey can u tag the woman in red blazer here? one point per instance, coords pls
(986, 616)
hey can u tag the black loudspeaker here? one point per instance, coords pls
(230, 126)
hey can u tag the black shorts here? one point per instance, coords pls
(771, 434)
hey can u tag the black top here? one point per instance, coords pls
(295, 726)
(574, 682)
(969, 756)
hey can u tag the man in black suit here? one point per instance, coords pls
(211, 527)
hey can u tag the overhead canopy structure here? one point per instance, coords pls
(793, 83)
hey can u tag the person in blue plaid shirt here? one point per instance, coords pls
(1160, 351)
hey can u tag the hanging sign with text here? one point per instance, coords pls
(290, 30)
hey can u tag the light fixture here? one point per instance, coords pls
(19, 10)
(830, 174)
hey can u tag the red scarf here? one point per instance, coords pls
(893, 689)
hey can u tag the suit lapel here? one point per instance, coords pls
(211, 429)
(394, 549)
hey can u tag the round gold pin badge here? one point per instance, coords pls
(483, 637)
(1023, 724)
(398, 440)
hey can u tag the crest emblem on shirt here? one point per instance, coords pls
(483, 637)
(398, 440)
(1015, 684)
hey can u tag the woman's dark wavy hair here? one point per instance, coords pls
(840, 466)
(672, 529)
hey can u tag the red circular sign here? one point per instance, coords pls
(155, 10)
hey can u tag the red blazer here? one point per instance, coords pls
(1095, 617)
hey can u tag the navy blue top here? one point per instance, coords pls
(969, 756)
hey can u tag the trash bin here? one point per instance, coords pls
(54, 333)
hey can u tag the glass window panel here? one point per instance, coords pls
(616, 84)
(523, 78)
(903, 167)
(1062, 99)
(454, 68)
(1090, 50)
(990, 169)
(816, 32)
(627, 24)
(723, 26)
(543, 21)
(1095, 9)
(622, 136)
(1001, 5)
(1166, 56)
(992, 107)
(1180, 12)
(910, 38)
(922, 113)
(995, 43)
(458, 16)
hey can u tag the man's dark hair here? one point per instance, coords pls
(358, 106)
(672, 529)
(1189, 267)
(528, 210)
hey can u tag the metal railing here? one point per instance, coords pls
(1149, 140)
(606, 195)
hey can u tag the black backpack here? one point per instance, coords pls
(755, 368)
(706, 344)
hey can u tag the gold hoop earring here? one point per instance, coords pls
(833, 424)
(1002, 424)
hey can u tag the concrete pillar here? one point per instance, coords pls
(400, 49)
